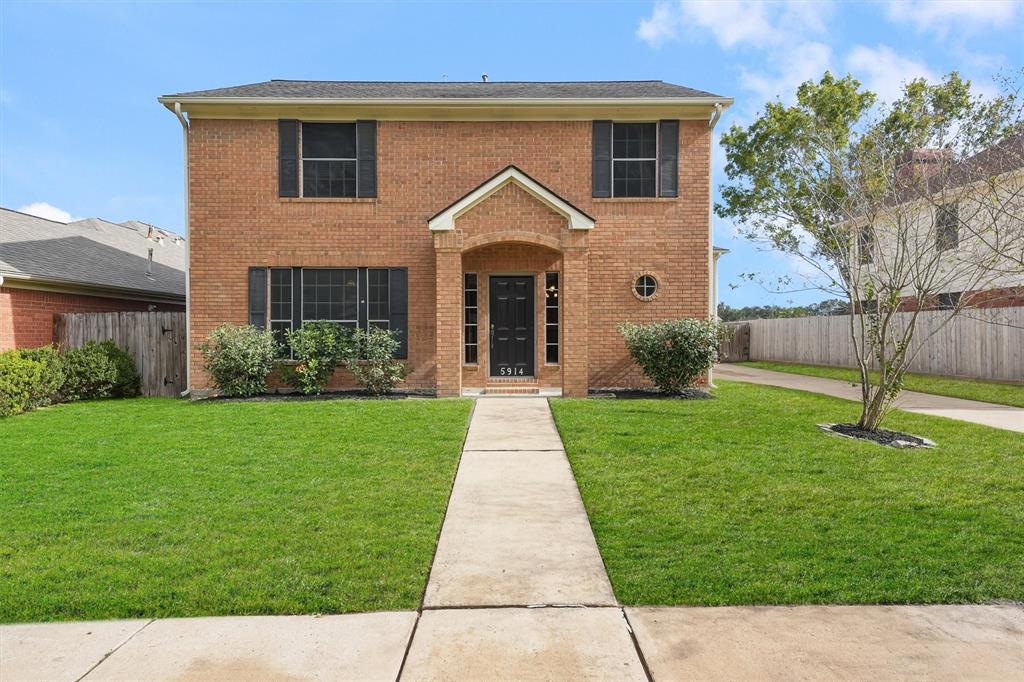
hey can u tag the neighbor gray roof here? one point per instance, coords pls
(92, 252)
(376, 90)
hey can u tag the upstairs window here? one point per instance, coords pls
(634, 159)
(329, 159)
(947, 227)
(866, 245)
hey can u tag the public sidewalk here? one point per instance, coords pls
(986, 414)
(518, 591)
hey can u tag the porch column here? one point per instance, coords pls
(575, 321)
(449, 316)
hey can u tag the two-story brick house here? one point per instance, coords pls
(504, 229)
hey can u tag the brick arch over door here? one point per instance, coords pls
(512, 237)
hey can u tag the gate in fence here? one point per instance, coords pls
(156, 340)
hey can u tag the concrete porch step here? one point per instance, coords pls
(512, 389)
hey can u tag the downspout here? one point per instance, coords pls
(715, 116)
(188, 258)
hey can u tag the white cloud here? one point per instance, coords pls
(944, 15)
(883, 71)
(803, 62)
(733, 23)
(45, 210)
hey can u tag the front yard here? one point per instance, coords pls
(741, 500)
(157, 507)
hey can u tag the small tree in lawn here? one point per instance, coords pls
(851, 190)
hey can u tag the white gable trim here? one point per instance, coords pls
(445, 220)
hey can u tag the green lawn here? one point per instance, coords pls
(987, 391)
(158, 507)
(742, 500)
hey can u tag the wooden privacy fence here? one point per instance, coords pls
(157, 340)
(978, 343)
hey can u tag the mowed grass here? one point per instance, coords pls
(985, 391)
(159, 507)
(742, 500)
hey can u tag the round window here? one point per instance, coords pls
(645, 287)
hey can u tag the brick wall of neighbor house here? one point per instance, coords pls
(238, 220)
(26, 315)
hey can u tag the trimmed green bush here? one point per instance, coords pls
(375, 368)
(89, 373)
(21, 379)
(127, 382)
(319, 347)
(52, 381)
(239, 358)
(675, 353)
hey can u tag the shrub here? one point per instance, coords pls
(320, 347)
(52, 381)
(675, 353)
(127, 382)
(376, 369)
(88, 373)
(239, 358)
(21, 378)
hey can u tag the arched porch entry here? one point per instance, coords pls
(512, 280)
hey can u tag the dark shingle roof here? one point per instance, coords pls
(92, 252)
(458, 90)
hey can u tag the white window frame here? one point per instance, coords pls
(476, 325)
(386, 323)
(657, 165)
(302, 295)
(270, 300)
(558, 317)
(303, 159)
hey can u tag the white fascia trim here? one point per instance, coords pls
(446, 219)
(452, 101)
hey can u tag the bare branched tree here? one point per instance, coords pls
(877, 200)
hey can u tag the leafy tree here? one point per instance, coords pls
(849, 186)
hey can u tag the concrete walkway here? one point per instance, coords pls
(986, 414)
(518, 592)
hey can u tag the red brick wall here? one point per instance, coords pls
(237, 221)
(26, 315)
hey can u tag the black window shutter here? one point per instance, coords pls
(399, 321)
(258, 297)
(366, 158)
(668, 159)
(602, 159)
(288, 158)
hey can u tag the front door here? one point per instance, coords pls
(511, 326)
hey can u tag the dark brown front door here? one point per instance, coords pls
(511, 326)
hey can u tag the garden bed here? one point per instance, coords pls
(892, 439)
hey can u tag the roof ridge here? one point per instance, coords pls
(32, 215)
(488, 82)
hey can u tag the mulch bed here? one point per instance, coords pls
(892, 439)
(332, 395)
(649, 394)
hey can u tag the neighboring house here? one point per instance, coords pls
(503, 229)
(48, 267)
(975, 204)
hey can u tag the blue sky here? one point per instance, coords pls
(81, 133)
